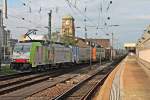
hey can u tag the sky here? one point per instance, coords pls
(132, 16)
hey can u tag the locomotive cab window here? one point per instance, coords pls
(22, 47)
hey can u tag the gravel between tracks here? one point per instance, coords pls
(62, 87)
(57, 89)
(27, 91)
(34, 89)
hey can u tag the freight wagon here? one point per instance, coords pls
(37, 52)
(41, 56)
(36, 55)
(98, 53)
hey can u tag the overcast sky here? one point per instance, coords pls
(133, 16)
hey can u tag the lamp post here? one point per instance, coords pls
(112, 37)
(90, 54)
(112, 34)
(49, 24)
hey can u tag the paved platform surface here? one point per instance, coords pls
(129, 81)
(135, 81)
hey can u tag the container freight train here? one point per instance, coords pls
(39, 56)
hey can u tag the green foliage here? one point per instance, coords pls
(64, 39)
(68, 40)
(6, 70)
(54, 36)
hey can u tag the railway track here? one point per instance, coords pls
(22, 74)
(7, 77)
(18, 81)
(26, 88)
(59, 90)
(14, 84)
(9, 85)
(85, 89)
(78, 87)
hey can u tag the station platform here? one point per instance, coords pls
(129, 81)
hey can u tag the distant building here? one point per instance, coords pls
(1, 43)
(68, 27)
(1, 33)
(12, 43)
(6, 49)
(4, 40)
(1, 18)
(105, 43)
(102, 42)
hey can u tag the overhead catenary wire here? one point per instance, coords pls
(103, 10)
(73, 7)
(25, 19)
(21, 18)
(83, 14)
(75, 13)
(100, 11)
(80, 12)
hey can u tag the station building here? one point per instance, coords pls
(5, 41)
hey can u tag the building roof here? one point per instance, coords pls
(128, 45)
(81, 42)
(105, 43)
(102, 42)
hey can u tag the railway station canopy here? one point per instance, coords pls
(130, 46)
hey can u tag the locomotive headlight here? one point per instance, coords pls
(13, 60)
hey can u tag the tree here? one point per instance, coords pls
(68, 40)
(55, 36)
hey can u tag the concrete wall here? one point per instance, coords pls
(1, 32)
(145, 55)
(143, 63)
(144, 58)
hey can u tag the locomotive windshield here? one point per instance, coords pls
(22, 47)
